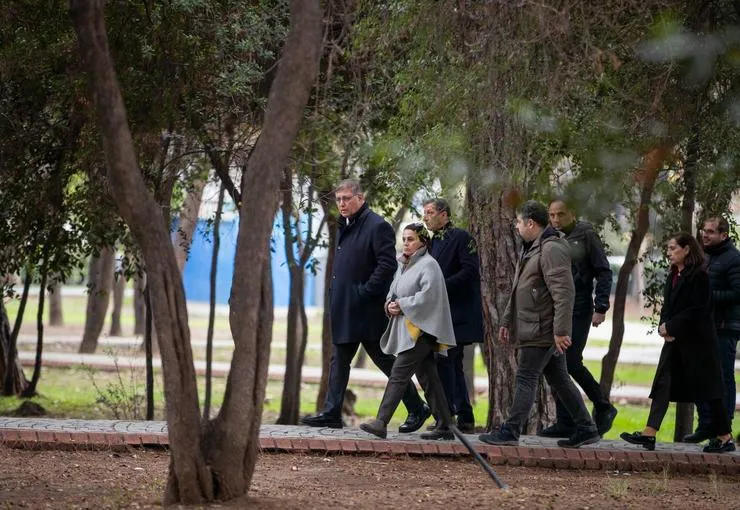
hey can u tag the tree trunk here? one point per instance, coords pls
(119, 293)
(212, 304)
(646, 178)
(469, 370)
(11, 372)
(30, 391)
(56, 318)
(183, 238)
(12, 378)
(148, 341)
(297, 335)
(218, 463)
(139, 303)
(99, 285)
(361, 358)
(326, 343)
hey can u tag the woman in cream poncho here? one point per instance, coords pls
(420, 325)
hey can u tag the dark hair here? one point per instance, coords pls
(695, 257)
(440, 204)
(420, 231)
(535, 211)
(723, 226)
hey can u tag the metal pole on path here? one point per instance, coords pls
(477, 456)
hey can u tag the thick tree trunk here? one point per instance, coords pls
(11, 380)
(139, 303)
(212, 303)
(183, 238)
(99, 286)
(119, 292)
(331, 226)
(190, 480)
(11, 372)
(56, 317)
(222, 464)
(646, 178)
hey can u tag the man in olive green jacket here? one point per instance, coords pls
(539, 317)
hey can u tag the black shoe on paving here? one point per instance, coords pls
(500, 437)
(605, 418)
(717, 446)
(556, 430)
(376, 428)
(697, 437)
(437, 434)
(466, 427)
(580, 438)
(322, 420)
(415, 420)
(647, 442)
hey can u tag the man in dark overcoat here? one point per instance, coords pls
(723, 266)
(364, 265)
(457, 256)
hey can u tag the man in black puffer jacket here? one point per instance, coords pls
(588, 263)
(723, 266)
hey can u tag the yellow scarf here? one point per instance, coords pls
(416, 332)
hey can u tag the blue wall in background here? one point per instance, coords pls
(196, 275)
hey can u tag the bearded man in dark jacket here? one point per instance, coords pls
(364, 265)
(588, 263)
(723, 267)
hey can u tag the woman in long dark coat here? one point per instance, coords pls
(688, 369)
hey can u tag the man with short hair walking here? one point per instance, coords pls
(588, 263)
(364, 265)
(723, 266)
(538, 317)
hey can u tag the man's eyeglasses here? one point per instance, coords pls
(344, 198)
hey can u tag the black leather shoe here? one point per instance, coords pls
(556, 430)
(466, 427)
(697, 437)
(605, 418)
(437, 434)
(322, 420)
(717, 446)
(376, 428)
(646, 442)
(580, 438)
(415, 420)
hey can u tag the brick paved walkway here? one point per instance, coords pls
(533, 451)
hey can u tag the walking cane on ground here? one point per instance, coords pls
(477, 456)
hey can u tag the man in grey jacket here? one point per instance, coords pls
(538, 316)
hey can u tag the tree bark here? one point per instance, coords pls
(30, 391)
(56, 317)
(11, 372)
(119, 293)
(139, 303)
(183, 238)
(212, 304)
(222, 464)
(99, 285)
(148, 351)
(326, 343)
(190, 480)
(12, 378)
(646, 178)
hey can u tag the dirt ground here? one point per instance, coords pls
(135, 479)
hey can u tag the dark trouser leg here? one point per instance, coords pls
(556, 374)
(531, 361)
(446, 373)
(661, 393)
(727, 341)
(385, 362)
(577, 370)
(428, 376)
(721, 425)
(399, 379)
(462, 397)
(341, 359)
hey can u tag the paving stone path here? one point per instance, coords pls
(533, 451)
